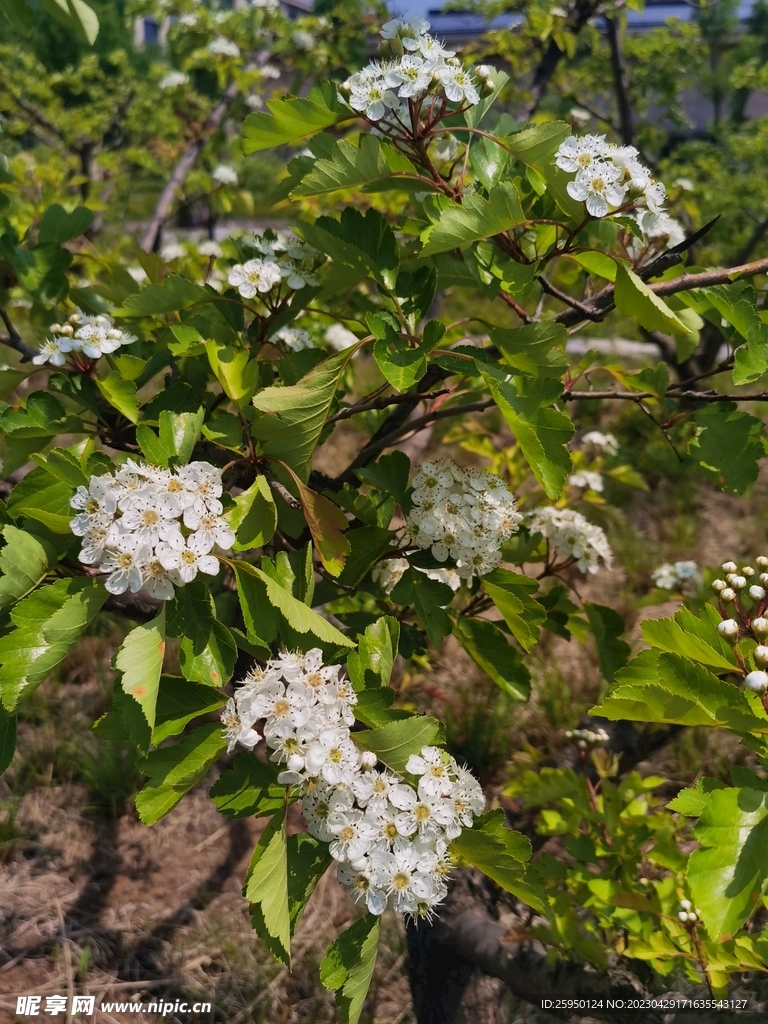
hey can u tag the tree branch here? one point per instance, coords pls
(14, 340)
(620, 79)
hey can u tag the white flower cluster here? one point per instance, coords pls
(93, 336)
(682, 576)
(587, 737)
(389, 838)
(152, 528)
(464, 514)
(423, 71)
(609, 177)
(572, 536)
(295, 339)
(687, 913)
(586, 480)
(389, 572)
(224, 174)
(173, 80)
(595, 444)
(280, 259)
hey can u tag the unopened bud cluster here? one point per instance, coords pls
(281, 261)
(609, 177)
(743, 592)
(585, 738)
(422, 74)
(687, 913)
(390, 838)
(572, 537)
(463, 514)
(151, 528)
(90, 336)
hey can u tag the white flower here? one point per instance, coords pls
(253, 277)
(209, 532)
(334, 756)
(173, 80)
(157, 581)
(399, 875)
(598, 187)
(580, 154)
(458, 84)
(373, 99)
(209, 248)
(435, 778)
(572, 537)
(172, 251)
(50, 352)
(353, 835)
(684, 576)
(124, 568)
(224, 174)
(294, 338)
(303, 40)
(411, 76)
(223, 47)
(185, 563)
(361, 888)
(594, 444)
(586, 480)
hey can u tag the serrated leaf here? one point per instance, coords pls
(371, 664)
(24, 563)
(121, 394)
(296, 415)
(693, 800)
(49, 622)
(308, 860)
(292, 119)
(175, 293)
(352, 166)
(728, 877)
(248, 789)
(178, 702)
(512, 594)
(476, 218)
(502, 854)
(538, 348)
(429, 597)
(395, 742)
(174, 770)
(635, 299)
(728, 446)
(400, 364)
(267, 887)
(607, 628)
(7, 739)
(670, 635)
(57, 225)
(326, 523)
(365, 242)
(253, 517)
(489, 648)
(533, 145)
(541, 431)
(208, 650)
(348, 964)
(140, 659)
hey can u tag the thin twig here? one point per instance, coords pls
(14, 339)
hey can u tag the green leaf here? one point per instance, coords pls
(536, 144)
(667, 688)
(297, 615)
(49, 622)
(173, 771)
(693, 800)
(501, 854)
(635, 299)
(541, 431)
(237, 373)
(292, 119)
(308, 860)
(208, 650)
(175, 293)
(511, 593)
(140, 659)
(353, 166)
(476, 218)
(75, 15)
(348, 964)
(258, 614)
(371, 664)
(57, 225)
(489, 648)
(538, 348)
(267, 888)
(390, 473)
(180, 432)
(7, 739)
(394, 743)
(42, 415)
(597, 263)
(121, 394)
(253, 517)
(736, 302)
(24, 563)
(364, 242)
(296, 415)
(326, 523)
(728, 877)
(178, 702)
(607, 628)
(728, 446)
(400, 364)
(366, 545)
(429, 598)
(248, 789)
(692, 638)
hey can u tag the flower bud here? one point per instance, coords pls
(757, 681)
(686, 904)
(75, 318)
(738, 582)
(729, 567)
(760, 654)
(55, 328)
(692, 916)
(582, 744)
(728, 629)
(764, 578)
(683, 916)
(747, 570)
(762, 562)
(756, 593)
(728, 594)
(760, 626)
(295, 763)
(719, 585)
(67, 329)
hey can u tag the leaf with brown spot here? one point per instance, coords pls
(140, 659)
